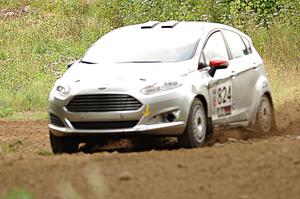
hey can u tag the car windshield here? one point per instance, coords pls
(142, 47)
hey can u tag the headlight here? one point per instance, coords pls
(61, 91)
(158, 87)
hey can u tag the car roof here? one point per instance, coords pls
(184, 28)
(154, 36)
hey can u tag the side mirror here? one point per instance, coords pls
(70, 64)
(216, 64)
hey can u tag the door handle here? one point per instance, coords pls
(255, 65)
(233, 74)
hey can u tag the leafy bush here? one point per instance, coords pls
(36, 45)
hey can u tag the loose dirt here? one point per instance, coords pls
(234, 164)
(8, 14)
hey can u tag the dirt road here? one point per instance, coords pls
(234, 165)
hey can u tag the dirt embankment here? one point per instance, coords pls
(234, 165)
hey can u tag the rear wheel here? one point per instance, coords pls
(265, 119)
(197, 127)
(67, 144)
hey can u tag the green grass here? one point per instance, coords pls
(11, 147)
(27, 115)
(36, 46)
(18, 193)
(285, 88)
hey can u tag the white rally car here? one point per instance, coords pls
(161, 78)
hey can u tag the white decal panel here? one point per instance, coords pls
(222, 99)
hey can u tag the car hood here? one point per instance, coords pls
(144, 73)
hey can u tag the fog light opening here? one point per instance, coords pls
(170, 117)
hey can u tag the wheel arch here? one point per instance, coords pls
(261, 89)
(267, 93)
(208, 113)
(204, 102)
(188, 139)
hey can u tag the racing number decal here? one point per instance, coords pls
(224, 95)
(222, 99)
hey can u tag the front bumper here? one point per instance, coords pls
(151, 116)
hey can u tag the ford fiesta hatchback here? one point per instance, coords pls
(161, 78)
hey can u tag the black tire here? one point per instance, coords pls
(265, 117)
(210, 129)
(66, 144)
(198, 125)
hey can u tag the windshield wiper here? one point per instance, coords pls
(87, 62)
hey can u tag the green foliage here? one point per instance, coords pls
(11, 147)
(6, 112)
(18, 193)
(36, 46)
(10, 3)
(2, 54)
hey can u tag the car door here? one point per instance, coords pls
(220, 86)
(244, 74)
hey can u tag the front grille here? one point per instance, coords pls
(56, 121)
(103, 125)
(103, 103)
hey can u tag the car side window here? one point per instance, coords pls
(236, 44)
(248, 45)
(215, 48)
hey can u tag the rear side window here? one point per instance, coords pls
(248, 45)
(236, 44)
(215, 48)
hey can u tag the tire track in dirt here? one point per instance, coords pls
(238, 164)
(263, 168)
(92, 178)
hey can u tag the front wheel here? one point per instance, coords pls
(197, 127)
(265, 118)
(67, 144)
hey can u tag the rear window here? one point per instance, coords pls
(236, 44)
(248, 45)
